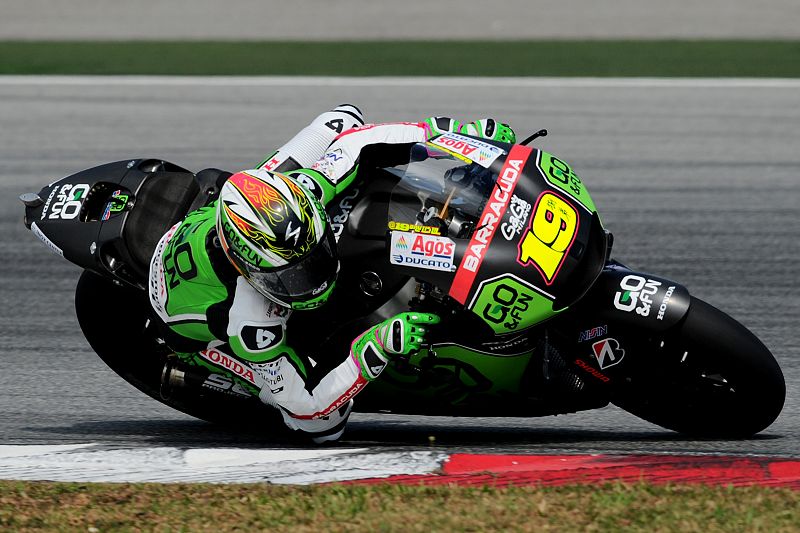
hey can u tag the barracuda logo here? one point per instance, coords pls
(491, 218)
(491, 215)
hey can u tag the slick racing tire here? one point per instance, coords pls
(113, 319)
(710, 378)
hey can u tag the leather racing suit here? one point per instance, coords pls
(214, 318)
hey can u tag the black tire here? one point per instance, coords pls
(113, 319)
(727, 385)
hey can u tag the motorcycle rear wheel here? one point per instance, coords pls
(113, 317)
(711, 378)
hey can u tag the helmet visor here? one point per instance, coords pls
(304, 280)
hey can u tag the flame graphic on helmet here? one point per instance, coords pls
(264, 198)
(274, 212)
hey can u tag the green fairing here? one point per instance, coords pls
(508, 305)
(461, 374)
(560, 175)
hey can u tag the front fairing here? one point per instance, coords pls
(506, 230)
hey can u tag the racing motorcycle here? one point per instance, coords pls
(503, 241)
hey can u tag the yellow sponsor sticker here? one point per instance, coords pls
(552, 231)
(416, 228)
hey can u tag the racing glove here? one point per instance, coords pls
(488, 128)
(436, 126)
(400, 335)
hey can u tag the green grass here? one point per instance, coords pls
(42, 506)
(383, 58)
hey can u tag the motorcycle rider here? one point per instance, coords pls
(225, 280)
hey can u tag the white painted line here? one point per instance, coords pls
(409, 81)
(208, 457)
(15, 450)
(93, 463)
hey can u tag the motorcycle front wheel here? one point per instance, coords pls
(710, 378)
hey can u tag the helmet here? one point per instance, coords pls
(277, 235)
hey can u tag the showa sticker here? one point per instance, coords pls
(422, 251)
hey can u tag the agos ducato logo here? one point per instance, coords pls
(422, 251)
(636, 294)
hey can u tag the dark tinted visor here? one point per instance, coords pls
(304, 280)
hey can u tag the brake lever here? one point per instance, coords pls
(540, 133)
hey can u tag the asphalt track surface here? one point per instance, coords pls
(699, 181)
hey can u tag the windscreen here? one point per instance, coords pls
(439, 193)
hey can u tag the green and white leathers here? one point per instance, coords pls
(225, 280)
